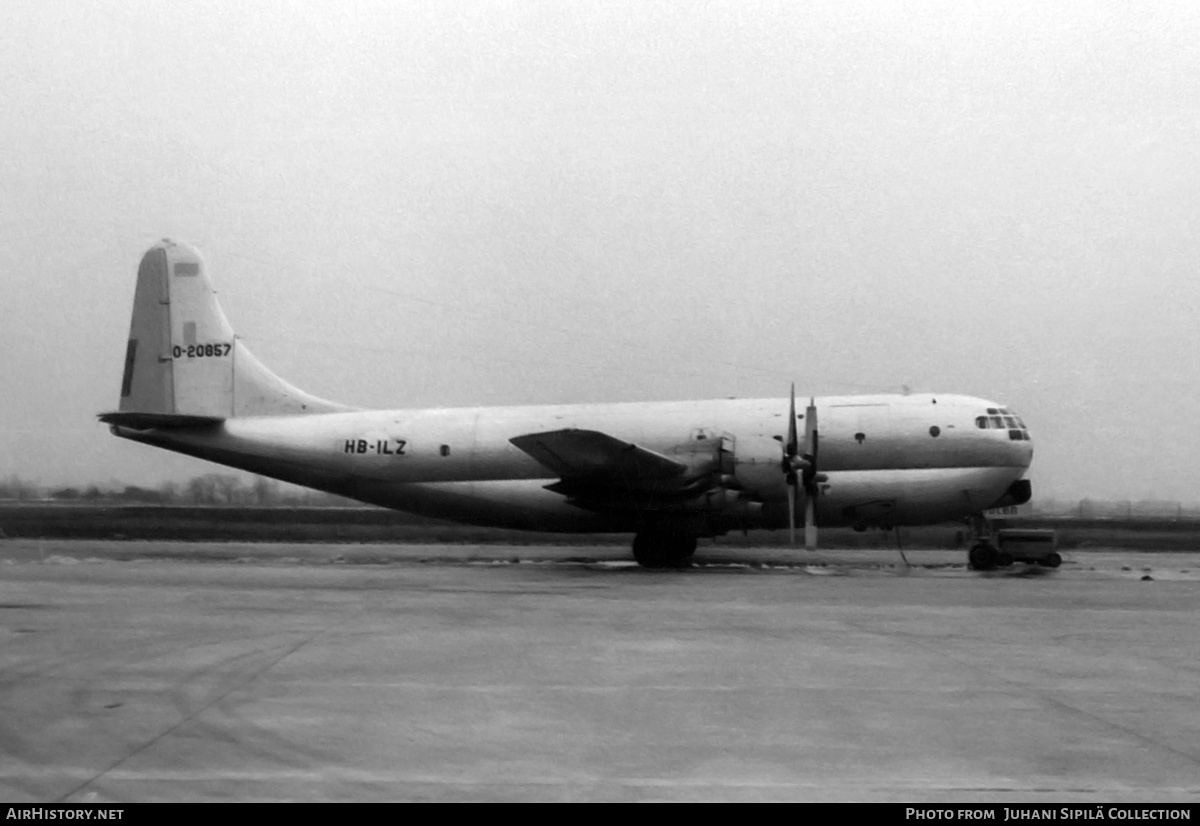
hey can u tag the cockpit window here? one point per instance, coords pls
(1017, 431)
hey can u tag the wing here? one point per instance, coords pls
(595, 458)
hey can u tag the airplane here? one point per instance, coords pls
(667, 472)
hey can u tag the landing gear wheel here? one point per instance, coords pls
(1004, 560)
(663, 550)
(983, 557)
(1051, 560)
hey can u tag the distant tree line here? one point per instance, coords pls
(209, 489)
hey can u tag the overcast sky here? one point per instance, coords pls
(446, 203)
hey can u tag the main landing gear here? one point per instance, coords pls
(653, 549)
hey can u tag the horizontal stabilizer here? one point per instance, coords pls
(147, 421)
(596, 456)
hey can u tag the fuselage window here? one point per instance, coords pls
(445, 450)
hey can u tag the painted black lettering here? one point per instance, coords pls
(400, 443)
(194, 351)
(362, 446)
(387, 451)
(349, 446)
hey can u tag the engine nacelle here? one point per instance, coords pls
(757, 466)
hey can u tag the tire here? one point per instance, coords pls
(1052, 560)
(663, 550)
(982, 557)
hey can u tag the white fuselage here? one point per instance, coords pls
(887, 460)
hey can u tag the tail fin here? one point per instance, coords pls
(183, 359)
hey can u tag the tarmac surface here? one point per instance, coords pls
(206, 672)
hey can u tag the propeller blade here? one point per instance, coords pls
(790, 450)
(810, 430)
(811, 446)
(810, 524)
(792, 515)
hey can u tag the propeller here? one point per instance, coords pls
(791, 463)
(800, 470)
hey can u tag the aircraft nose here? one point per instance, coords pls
(999, 422)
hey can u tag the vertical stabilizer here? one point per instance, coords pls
(183, 359)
